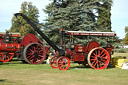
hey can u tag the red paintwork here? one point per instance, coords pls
(98, 58)
(9, 47)
(79, 56)
(92, 44)
(79, 48)
(7, 50)
(29, 38)
(88, 33)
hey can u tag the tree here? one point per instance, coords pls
(70, 15)
(20, 25)
(78, 15)
(126, 36)
(104, 16)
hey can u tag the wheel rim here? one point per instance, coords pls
(34, 53)
(98, 58)
(5, 56)
(53, 62)
(63, 63)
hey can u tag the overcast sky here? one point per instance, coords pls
(9, 7)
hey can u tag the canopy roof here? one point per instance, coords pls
(12, 34)
(89, 33)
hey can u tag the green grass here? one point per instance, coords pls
(17, 73)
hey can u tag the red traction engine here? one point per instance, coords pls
(29, 49)
(92, 54)
(8, 45)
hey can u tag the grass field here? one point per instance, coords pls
(17, 73)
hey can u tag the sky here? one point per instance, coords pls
(119, 13)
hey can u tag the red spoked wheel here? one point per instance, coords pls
(93, 44)
(98, 58)
(6, 56)
(34, 53)
(53, 62)
(63, 63)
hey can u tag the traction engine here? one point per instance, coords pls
(8, 45)
(92, 54)
(29, 49)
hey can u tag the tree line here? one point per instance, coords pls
(73, 15)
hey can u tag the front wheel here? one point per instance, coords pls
(6, 56)
(53, 62)
(63, 63)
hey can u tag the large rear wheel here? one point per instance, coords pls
(34, 53)
(98, 58)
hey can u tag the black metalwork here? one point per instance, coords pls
(61, 51)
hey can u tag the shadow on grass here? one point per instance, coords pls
(79, 67)
(17, 62)
(10, 62)
(87, 67)
(3, 80)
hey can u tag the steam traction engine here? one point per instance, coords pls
(12, 46)
(92, 54)
(8, 46)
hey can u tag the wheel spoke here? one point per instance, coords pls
(30, 50)
(41, 56)
(30, 58)
(100, 64)
(92, 56)
(96, 52)
(93, 62)
(93, 59)
(97, 65)
(103, 63)
(103, 55)
(101, 52)
(34, 48)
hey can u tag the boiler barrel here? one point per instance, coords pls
(9, 47)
